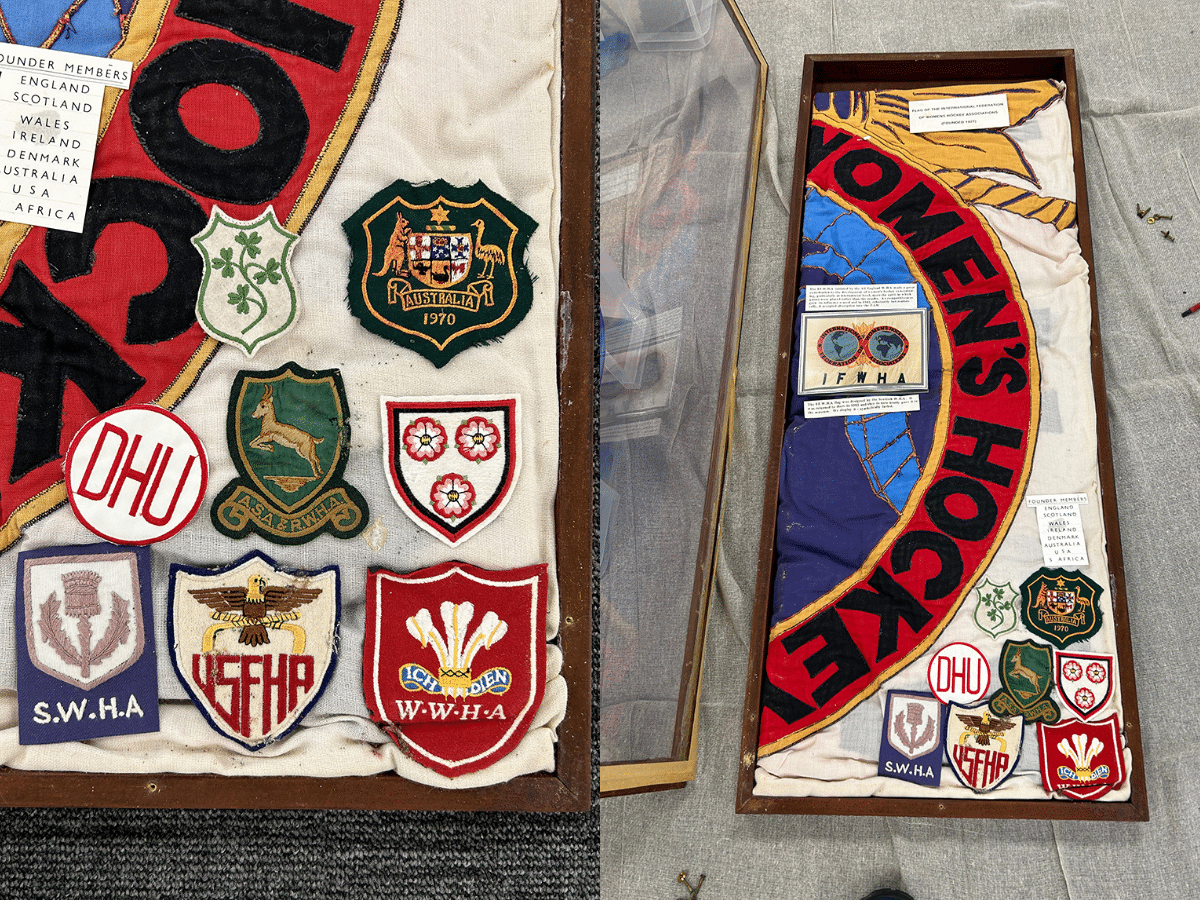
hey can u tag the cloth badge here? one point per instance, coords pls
(438, 268)
(289, 436)
(911, 748)
(107, 318)
(86, 666)
(1081, 760)
(1061, 606)
(454, 660)
(1084, 681)
(248, 295)
(959, 673)
(451, 462)
(994, 609)
(136, 475)
(982, 749)
(1025, 673)
(254, 644)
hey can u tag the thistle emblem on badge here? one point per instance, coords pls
(289, 437)
(438, 268)
(248, 295)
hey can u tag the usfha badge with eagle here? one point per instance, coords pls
(253, 644)
(438, 268)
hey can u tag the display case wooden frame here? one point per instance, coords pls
(872, 71)
(675, 771)
(568, 788)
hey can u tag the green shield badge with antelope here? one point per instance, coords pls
(289, 436)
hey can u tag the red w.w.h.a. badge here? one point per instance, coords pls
(454, 661)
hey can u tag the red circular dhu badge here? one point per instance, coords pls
(959, 673)
(136, 475)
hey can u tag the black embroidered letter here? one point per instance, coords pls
(281, 24)
(247, 175)
(52, 347)
(170, 309)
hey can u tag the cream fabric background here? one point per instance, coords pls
(1138, 69)
(485, 110)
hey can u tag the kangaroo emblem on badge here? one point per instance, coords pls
(289, 436)
(438, 268)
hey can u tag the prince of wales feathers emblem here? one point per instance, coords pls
(456, 652)
(490, 648)
(254, 644)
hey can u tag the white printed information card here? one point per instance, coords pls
(50, 106)
(958, 114)
(1060, 527)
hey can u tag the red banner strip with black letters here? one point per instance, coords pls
(825, 660)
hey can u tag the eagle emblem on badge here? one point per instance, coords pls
(254, 644)
(982, 749)
(438, 268)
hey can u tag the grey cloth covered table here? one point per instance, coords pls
(1137, 70)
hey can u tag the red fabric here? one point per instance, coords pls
(129, 259)
(786, 671)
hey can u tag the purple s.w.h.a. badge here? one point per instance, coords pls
(85, 643)
(911, 746)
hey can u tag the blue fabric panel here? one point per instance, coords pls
(94, 28)
(830, 515)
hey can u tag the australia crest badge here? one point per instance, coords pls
(1026, 679)
(1081, 760)
(85, 644)
(289, 437)
(454, 661)
(438, 268)
(982, 749)
(1061, 606)
(253, 644)
(451, 462)
(248, 294)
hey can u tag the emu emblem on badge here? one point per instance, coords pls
(438, 268)
(289, 436)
